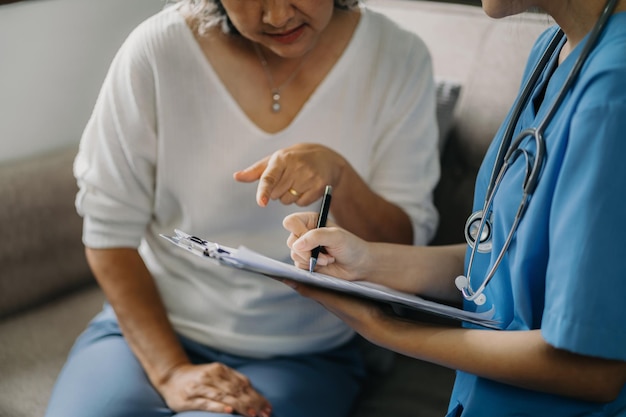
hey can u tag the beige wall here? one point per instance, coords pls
(53, 57)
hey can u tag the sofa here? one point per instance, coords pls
(47, 294)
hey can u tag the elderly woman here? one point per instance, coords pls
(287, 97)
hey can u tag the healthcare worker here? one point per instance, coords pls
(545, 248)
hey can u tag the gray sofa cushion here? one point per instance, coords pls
(448, 92)
(487, 56)
(41, 252)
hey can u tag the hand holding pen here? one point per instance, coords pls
(321, 222)
(344, 254)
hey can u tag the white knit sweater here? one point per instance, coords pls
(165, 138)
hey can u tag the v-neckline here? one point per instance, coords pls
(324, 84)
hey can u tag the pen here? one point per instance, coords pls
(321, 222)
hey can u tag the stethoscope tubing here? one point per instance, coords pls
(468, 293)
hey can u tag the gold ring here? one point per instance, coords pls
(293, 192)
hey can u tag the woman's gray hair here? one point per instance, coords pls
(211, 12)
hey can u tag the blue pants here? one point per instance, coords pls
(102, 378)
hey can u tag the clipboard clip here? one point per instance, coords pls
(201, 247)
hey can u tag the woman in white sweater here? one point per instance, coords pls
(287, 97)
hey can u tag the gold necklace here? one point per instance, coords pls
(275, 90)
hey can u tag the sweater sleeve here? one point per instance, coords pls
(115, 165)
(405, 163)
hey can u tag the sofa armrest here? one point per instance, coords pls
(41, 251)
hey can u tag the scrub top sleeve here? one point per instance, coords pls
(585, 284)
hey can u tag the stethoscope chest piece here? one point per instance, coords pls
(478, 230)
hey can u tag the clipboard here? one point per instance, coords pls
(249, 260)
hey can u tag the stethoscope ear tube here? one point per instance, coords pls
(520, 104)
(530, 183)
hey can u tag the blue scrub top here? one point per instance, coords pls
(565, 270)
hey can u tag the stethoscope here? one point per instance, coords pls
(478, 228)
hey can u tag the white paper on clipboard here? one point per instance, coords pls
(249, 260)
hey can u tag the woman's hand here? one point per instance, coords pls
(297, 174)
(344, 255)
(213, 387)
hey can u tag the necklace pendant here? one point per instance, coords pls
(276, 102)
(275, 90)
